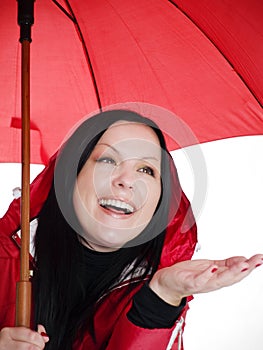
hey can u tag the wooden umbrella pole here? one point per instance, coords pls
(23, 296)
(24, 285)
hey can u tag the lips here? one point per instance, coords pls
(117, 206)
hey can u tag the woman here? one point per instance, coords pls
(112, 267)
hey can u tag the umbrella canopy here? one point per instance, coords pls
(201, 60)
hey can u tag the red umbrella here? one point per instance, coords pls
(199, 60)
(202, 60)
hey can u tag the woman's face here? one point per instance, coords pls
(118, 189)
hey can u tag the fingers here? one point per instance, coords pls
(252, 263)
(255, 261)
(232, 261)
(223, 273)
(21, 338)
(42, 331)
(240, 262)
(236, 269)
(203, 279)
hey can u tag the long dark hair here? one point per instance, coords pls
(57, 242)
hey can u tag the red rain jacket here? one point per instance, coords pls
(113, 329)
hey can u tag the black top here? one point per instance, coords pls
(148, 309)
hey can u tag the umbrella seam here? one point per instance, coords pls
(221, 52)
(72, 16)
(73, 19)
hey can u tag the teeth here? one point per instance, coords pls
(117, 204)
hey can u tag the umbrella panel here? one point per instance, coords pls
(150, 51)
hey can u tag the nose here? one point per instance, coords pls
(123, 177)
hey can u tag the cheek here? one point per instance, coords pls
(101, 179)
(84, 181)
(153, 196)
(92, 181)
(84, 198)
(147, 194)
(79, 203)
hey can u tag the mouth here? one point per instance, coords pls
(117, 206)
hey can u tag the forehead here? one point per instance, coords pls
(131, 140)
(126, 131)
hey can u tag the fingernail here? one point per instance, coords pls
(245, 269)
(214, 269)
(44, 334)
(258, 265)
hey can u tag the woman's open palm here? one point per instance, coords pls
(200, 276)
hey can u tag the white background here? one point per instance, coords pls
(230, 223)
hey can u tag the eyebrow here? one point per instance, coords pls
(115, 150)
(106, 144)
(154, 158)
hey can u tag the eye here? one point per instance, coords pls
(107, 160)
(147, 170)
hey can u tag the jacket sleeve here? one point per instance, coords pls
(127, 336)
(10, 268)
(9, 252)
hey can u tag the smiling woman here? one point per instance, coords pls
(119, 187)
(112, 266)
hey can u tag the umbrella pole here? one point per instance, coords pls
(23, 290)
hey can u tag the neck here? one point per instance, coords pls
(95, 247)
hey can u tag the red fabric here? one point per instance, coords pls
(119, 333)
(236, 30)
(203, 63)
(114, 331)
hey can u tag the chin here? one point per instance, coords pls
(111, 242)
(109, 238)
